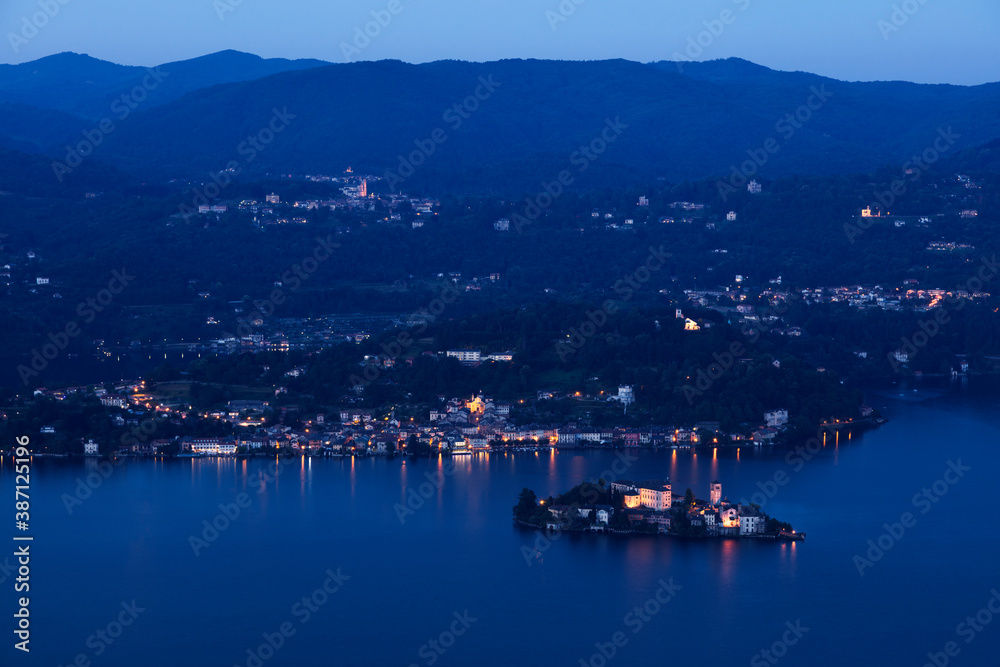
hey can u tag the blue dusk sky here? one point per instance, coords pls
(926, 41)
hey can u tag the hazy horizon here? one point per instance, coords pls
(329, 62)
(854, 40)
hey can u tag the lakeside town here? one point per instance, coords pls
(457, 426)
(623, 507)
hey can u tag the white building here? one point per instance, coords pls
(751, 522)
(626, 395)
(114, 401)
(90, 448)
(466, 356)
(776, 418)
(212, 446)
(656, 496)
(715, 493)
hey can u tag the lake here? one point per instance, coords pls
(393, 562)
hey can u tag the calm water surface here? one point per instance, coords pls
(459, 553)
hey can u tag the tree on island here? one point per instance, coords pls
(683, 527)
(619, 518)
(689, 498)
(527, 508)
(772, 525)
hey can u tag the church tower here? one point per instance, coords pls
(715, 493)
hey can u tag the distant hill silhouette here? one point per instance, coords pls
(683, 122)
(87, 87)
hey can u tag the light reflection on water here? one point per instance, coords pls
(461, 551)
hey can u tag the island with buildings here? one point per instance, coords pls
(625, 507)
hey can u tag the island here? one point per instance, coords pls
(651, 507)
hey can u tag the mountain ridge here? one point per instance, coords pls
(686, 121)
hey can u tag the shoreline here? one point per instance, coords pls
(796, 537)
(862, 425)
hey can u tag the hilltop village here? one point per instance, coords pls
(648, 507)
